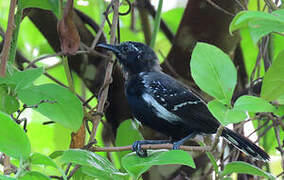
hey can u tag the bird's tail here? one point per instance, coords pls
(245, 145)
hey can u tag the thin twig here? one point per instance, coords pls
(59, 82)
(260, 127)
(263, 133)
(217, 137)
(42, 58)
(103, 96)
(73, 171)
(271, 5)
(241, 5)
(281, 174)
(49, 56)
(150, 146)
(98, 35)
(280, 146)
(219, 8)
(8, 38)
(68, 168)
(94, 52)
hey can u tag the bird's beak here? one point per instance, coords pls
(110, 47)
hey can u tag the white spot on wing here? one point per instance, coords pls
(176, 107)
(160, 110)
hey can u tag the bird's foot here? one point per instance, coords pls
(137, 148)
(176, 145)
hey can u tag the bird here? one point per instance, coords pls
(166, 105)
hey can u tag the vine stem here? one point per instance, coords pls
(8, 38)
(105, 87)
(156, 24)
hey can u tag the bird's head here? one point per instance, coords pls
(135, 57)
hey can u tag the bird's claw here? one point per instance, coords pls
(139, 151)
(176, 146)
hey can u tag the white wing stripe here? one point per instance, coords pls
(161, 111)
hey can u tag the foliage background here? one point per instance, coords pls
(46, 139)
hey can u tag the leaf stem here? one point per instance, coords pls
(156, 24)
(68, 74)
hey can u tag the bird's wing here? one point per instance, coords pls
(177, 103)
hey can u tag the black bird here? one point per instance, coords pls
(159, 101)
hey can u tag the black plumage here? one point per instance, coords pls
(166, 105)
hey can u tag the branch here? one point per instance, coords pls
(217, 137)
(150, 146)
(8, 38)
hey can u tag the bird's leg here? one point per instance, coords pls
(177, 144)
(142, 152)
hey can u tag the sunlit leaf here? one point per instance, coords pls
(9, 104)
(67, 109)
(22, 79)
(34, 175)
(253, 104)
(13, 140)
(259, 23)
(37, 158)
(92, 164)
(6, 178)
(244, 168)
(213, 71)
(136, 165)
(273, 81)
(224, 114)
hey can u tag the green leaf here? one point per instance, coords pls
(34, 175)
(259, 23)
(126, 134)
(24, 79)
(213, 71)
(136, 165)
(9, 104)
(67, 109)
(280, 99)
(224, 114)
(13, 140)
(92, 164)
(6, 178)
(253, 104)
(56, 154)
(37, 158)
(272, 86)
(51, 5)
(244, 168)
